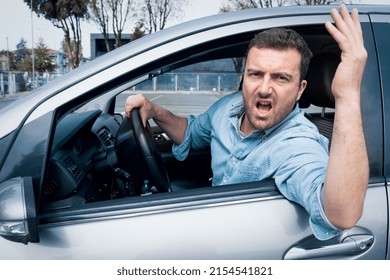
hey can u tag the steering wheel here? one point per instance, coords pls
(137, 152)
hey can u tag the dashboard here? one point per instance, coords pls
(83, 160)
(86, 162)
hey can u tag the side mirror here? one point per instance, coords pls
(18, 219)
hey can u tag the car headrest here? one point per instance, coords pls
(319, 81)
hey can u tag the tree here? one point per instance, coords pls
(235, 5)
(99, 14)
(139, 31)
(42, 60)
(315, 2)
(120, 11)
(114, 12)
(26, 65)
(67, 15)
(156, 13)
(20, 55)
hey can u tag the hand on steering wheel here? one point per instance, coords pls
(134, 143)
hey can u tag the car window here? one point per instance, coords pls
(193, 88)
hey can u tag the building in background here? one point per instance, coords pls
(3, 61)
(59, 59)
(17, 81)
(98, 46)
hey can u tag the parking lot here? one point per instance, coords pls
(181, 104)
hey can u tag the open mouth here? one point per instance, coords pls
(264, 106)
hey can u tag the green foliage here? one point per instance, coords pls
(22, 60)
(20, 56)
(67, 15)
(57, 10)
(42, 61)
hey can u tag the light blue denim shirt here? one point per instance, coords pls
(293, 153)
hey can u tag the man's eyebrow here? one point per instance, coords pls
(253, 70)
(284, 74)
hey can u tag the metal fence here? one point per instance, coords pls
(12, 82)
(170, 82)
(192, 82)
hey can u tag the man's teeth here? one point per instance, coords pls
(263, 103)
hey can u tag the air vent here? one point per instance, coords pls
(50, 188)
(106, 137)
(73, 168)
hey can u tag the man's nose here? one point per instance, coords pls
(265, 86)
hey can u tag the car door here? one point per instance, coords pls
(381, 27)
(243, 221)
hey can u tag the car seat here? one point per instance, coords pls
(318, 91)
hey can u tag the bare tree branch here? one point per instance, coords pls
(156, 13)
(99, 14)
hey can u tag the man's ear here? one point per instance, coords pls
(302, 87)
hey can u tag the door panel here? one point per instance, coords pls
(256, 223)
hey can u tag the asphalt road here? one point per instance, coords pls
(6, 101)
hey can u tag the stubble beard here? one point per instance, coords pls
(264, 121)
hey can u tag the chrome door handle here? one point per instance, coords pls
(350, 245)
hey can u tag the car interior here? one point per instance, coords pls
(102, 156)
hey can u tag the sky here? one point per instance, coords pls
(17, 21)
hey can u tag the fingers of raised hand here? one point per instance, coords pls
(347, 30)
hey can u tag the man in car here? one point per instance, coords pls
(260, 132)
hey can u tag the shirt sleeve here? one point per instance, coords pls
(300, 164)
(197, 136)
(319, 223)
(199, 129)
(180, 151)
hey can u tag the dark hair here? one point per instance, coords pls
(283, 39)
